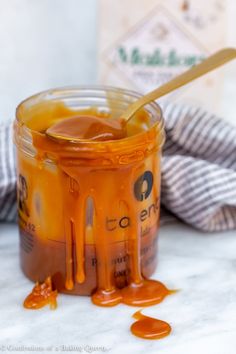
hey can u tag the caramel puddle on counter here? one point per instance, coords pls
(42, 295)
(149, 328)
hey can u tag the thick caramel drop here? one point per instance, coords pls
(88, 127)
(41, 295)
(148, 327)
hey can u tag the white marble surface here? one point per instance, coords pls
(202, 313)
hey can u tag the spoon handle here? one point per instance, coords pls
(214, 61)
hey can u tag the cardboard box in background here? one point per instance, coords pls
(144, 43)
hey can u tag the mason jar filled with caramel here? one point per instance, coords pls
(88, 209)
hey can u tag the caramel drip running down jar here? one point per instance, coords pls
(88, 210)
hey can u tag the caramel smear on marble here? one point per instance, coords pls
(42, 295)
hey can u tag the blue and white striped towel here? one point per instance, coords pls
(198, 169)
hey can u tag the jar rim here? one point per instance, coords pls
(85, 90)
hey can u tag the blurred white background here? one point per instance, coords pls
(44, 44)
(51, 43)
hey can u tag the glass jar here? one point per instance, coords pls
(88, 210)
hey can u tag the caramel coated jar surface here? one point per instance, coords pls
(88, 211)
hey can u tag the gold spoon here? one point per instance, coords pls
(58, 130)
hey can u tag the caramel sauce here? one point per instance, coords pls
(145, 293)
(76, 169)
(41, 295)
(139, 292)
(88, 127)
(76, 174)
(149, 328)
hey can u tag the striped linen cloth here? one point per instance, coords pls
(8, 209)
(198, 170)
